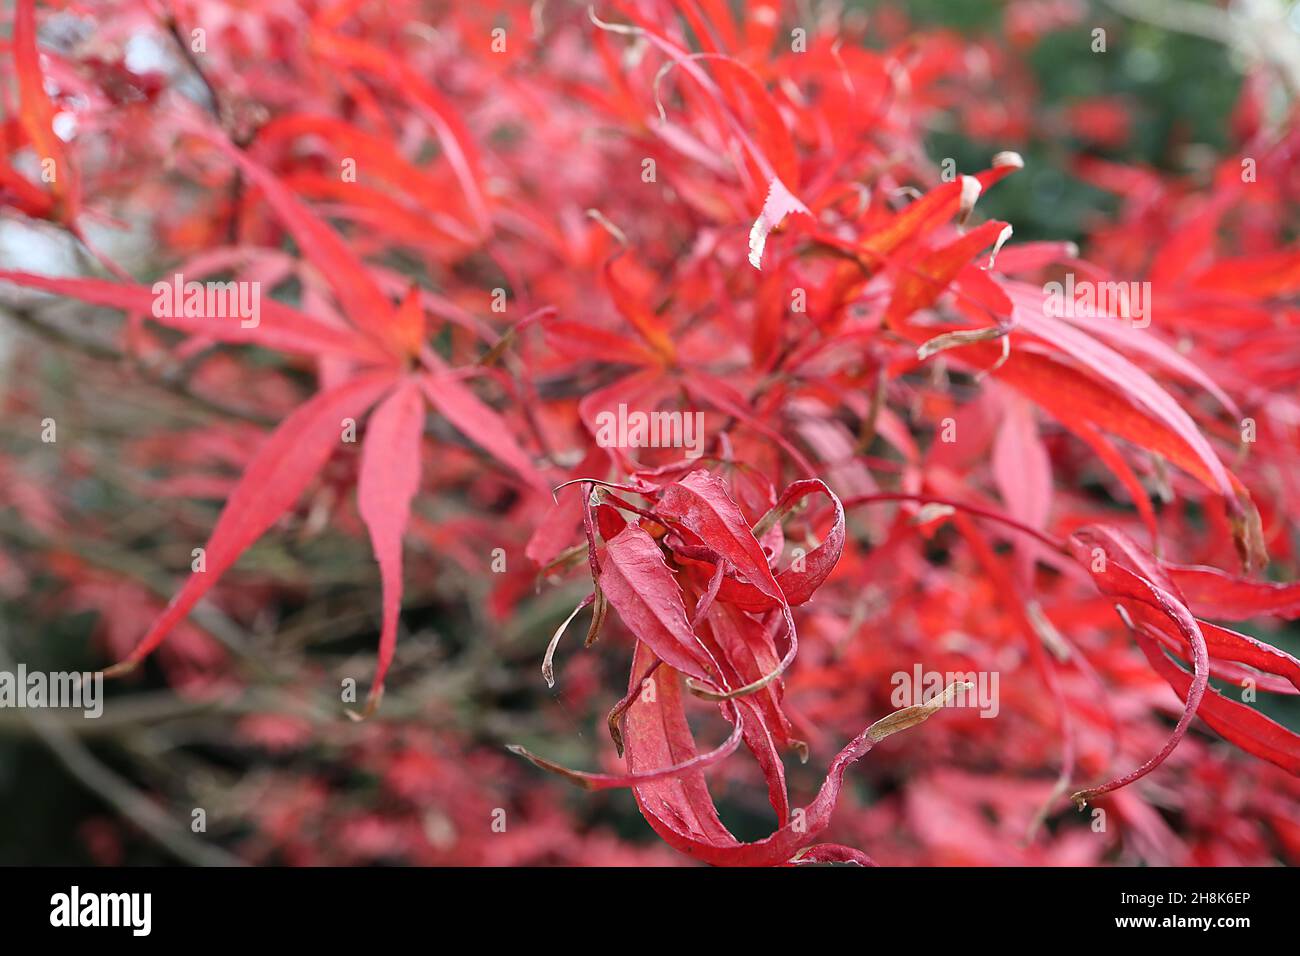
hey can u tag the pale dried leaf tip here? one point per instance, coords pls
(970, 192)
(951, 340)
(1124, 616)
(667, 68)
(911, 716)
(1008, 158)
(1052, 639)
(1248, 533)
(578, 481)
(780, 203)
(1006, 354)
(598, 611)
(623, 28)
(615, 732)
(844, 70)
(997, 246)
(372, 705)
(933, 511)
(612, 229)
(548, 661)
(712, 692)
(550, 766)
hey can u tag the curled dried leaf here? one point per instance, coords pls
(548, 665)
(911, 716)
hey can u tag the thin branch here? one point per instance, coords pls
(98, 350)
(114, 789)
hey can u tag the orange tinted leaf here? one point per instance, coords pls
(36, 112)
(924, 280)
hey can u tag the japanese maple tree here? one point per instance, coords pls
(481, 231)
